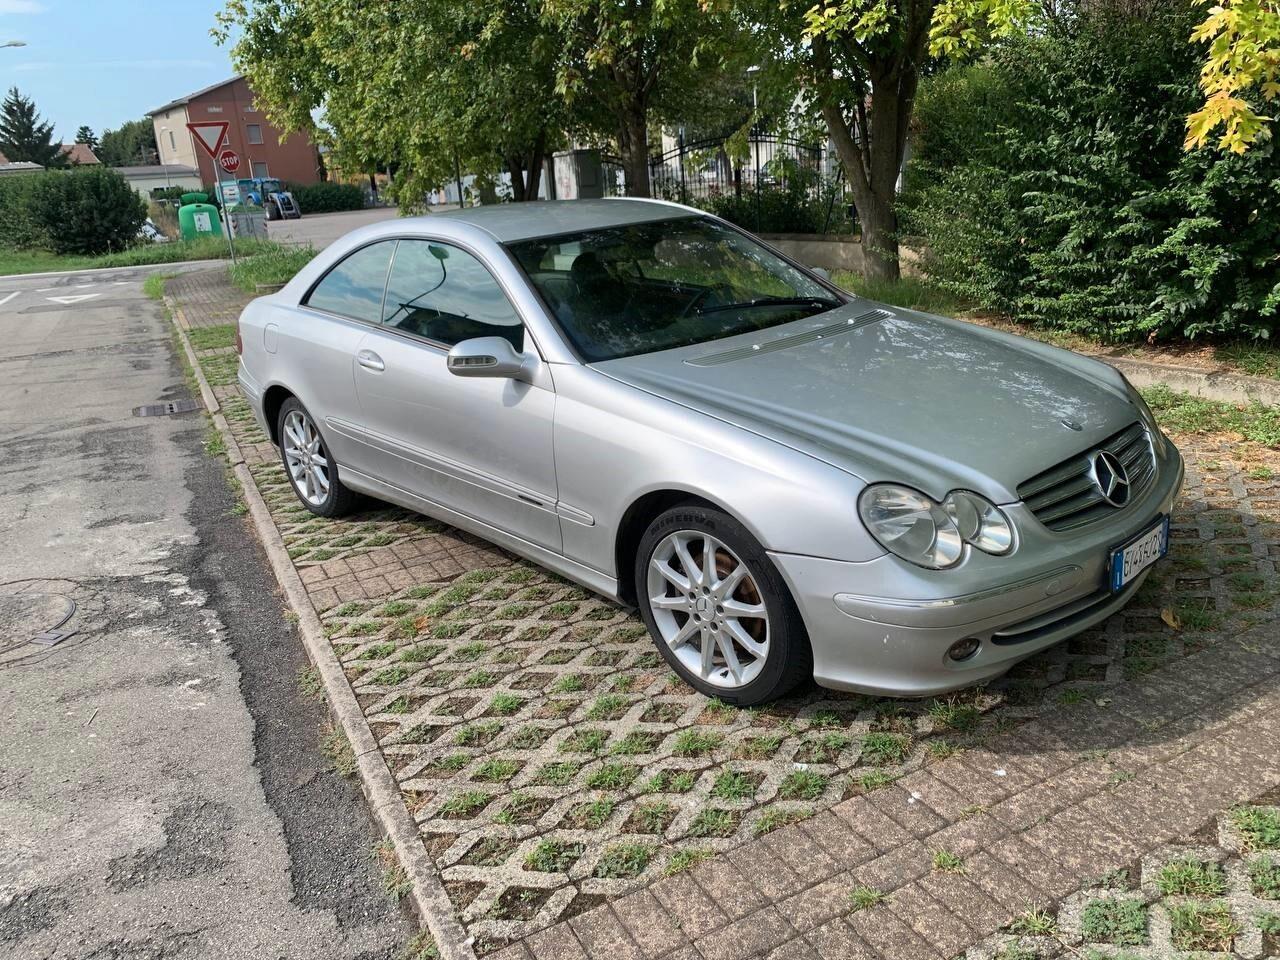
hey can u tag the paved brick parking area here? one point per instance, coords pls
(555, 765)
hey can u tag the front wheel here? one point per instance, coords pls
(311, 470)
(273, 211)
(717, 609)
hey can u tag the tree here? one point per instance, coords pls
(1243, 60)
(132, 144)
(860, 61)
(86, 136)
(423, 86)
(24, 136)
(625, 65)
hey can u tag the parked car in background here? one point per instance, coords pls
(786, 480)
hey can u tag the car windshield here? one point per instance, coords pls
(620, 291)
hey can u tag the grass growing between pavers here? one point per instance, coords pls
(516, 709)
(273, 266)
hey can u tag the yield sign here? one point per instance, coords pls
(210, 134)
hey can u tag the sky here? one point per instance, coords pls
(102, 62)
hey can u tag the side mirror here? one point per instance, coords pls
(486, 357)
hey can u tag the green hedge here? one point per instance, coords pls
(327, 197)
(82, 211)
(1051, 184)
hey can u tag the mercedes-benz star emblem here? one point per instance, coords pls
(1110, 477)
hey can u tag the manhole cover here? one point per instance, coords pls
(24, 616)
(166, 409)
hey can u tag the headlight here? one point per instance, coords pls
(1148, 420)
(918, 529)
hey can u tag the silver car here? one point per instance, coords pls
(786, 480)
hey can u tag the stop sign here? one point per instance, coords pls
(229, 160)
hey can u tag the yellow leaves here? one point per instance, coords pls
(1170, 619)
(962, 25)
(1243, 57)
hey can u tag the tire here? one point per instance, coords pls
(308, 464)
(272, 210)
(777, 657)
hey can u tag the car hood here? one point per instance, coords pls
(893, 395)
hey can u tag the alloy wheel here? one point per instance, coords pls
(708, 608)
(306, 458)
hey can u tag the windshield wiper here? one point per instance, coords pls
(825, 303)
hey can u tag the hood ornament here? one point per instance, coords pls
(1110, 477)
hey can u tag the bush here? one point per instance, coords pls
(1074, 205)
(18, 229)
(327, 197)
(86, 211)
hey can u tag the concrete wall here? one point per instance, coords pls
(144, 185)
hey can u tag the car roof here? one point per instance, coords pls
(508, 222)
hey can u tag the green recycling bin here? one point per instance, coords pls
(198, 220)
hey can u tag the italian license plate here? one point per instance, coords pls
(1138, 554)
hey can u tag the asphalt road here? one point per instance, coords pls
(162, 790)
(321, 229)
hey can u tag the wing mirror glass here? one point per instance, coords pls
(487, 357)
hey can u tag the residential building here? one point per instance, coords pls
(80, 154)
(249, 134)
(146, 179)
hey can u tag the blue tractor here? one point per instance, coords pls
(270, 194)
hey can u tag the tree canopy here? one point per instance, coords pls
(24, 135)
(1243, 63)
(131, 144)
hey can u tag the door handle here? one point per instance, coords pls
(370, 360)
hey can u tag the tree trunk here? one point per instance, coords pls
(633, 143)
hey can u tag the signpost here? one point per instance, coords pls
(211, 135)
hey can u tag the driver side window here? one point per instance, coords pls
(442, 293)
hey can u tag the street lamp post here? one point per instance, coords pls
(754, 73)
(160, 157)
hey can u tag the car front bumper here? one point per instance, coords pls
(884, 627)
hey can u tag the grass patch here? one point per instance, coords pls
(623, 861)
(553, 856)
(910, 292)
(342, 759)
(1034, 923)
(732, 785)
(1190, 877)
(1203, 926)
(277, 264)
(395, 879)
(1119, 921)
(1252, 358)
(1264, 878)
(206, 248)
(775, 819)
(1259, 828)
(802, 785)
(944, 861)
(465, 805)
(153, 285)
(692, 743)
(885, 749)
(210, 338)
(864, 898)
(683, 860)
(1184, 413)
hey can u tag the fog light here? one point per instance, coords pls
(964, 649)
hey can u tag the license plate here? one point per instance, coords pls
(1138, 554)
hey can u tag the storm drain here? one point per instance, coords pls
(166, 409)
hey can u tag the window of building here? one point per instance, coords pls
(254, 131)
(260, 169)
(212, 109)
(173, 144)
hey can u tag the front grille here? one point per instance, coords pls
(1065, 497)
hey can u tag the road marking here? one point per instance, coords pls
(75, 299)
(4, 300)
(83, 286)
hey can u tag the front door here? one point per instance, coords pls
(479, 446)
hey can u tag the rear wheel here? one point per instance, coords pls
(718, 611)
(273, 210)
(311, 470)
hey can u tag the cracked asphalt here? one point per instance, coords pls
(162, 788)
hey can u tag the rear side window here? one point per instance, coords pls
(354, 287)
(442, 293)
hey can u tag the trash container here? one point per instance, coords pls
(198, 220)
(248, 223)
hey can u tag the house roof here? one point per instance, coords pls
(79, 153)
(183, 101)
(18, 166)
(157, 170)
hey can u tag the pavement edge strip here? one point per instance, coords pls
(380, 787)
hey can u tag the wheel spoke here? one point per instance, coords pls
(684, 634)
(319, 460)
(745, 640)
(708, 653)
(678, 581)
(709, 575)
(321, 479)
(686, 560)
(671, 603)
(731, 580)
(730, 656)
(736, 608)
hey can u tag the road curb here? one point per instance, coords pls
(1223, 386)
(380, 788)
(4, 278)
